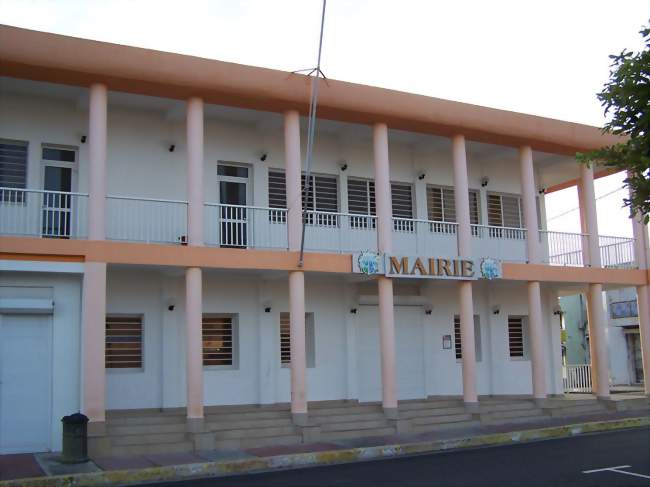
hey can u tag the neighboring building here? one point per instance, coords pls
(150, 224)
(623, 335)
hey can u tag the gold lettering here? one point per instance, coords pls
(399, 267)
(457, 265)
(468, 268)
(443, 267)
(432, 266)
(420, 267)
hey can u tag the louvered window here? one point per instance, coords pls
(219, 340)
(13, 169)
(458, 339)
(361, 201)
(441, 207)
(505, 212)
(322, 197)
(517, 337)
(402, 205)
(123, 342)
(285, 339)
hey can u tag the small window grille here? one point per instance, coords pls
(218, 340)
(516, 336)
(123, 342)
(285, 339)
(361, 201)
(458, 347)
(13, 169)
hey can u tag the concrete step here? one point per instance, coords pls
(419, 413)
(357, 433)
(516, 420)
(429, 404)
(150, 439)
(255, 432)
(250, 423)
(593, 408)
(127, 450)
(344, 418)
(149, 419)
(258, 442)
(246, 408)
(507, 406)
(427, 428)
(448, 418)
(145, 429)
(355, 425)
(639, 404)
(246, 416)
(358, 409)
(517, 413)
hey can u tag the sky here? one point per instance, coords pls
(545, 57)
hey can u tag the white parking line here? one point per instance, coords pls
(617, 470)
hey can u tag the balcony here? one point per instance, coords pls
(50, 214)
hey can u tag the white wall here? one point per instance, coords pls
(66, 336)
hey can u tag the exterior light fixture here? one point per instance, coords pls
(343, 166)
(542, 191)
(427, 311)
(496, 310)
(353, 311)
(485, 181)
(172, 147)
(83, 139)
(267, 309)
(263, 156)
(446, 342)
(421, 176)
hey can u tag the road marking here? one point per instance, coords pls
(617, 470)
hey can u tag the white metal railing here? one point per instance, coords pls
(39, 213)
(576, 378)
(237, 226)
(616, 251)
(563, 248)
(150, 220)
(490, 231)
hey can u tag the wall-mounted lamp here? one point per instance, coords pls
(343, 166)
(496, 310)
(83, 139)
(267, 309)
(170, 304)
(484, 182)
(172, 147)
(557, 311)
(353, 311)
(542, 191)
(446, 342)
(421, 176)
(263, 156)
(428, 311)
(171, 307)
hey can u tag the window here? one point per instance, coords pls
(323, 196)
(361, 201)
(441, 207)
(518, 337)
(124, 342)
(285, 339)
(219, 334)
(59, 154)
(624, 309)
(458, 338)
(504, 211)
(13, 169)
(402, 202)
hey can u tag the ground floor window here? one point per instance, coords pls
(124, 341)
(285, 339)
(458, 338)
(518, 337)
(220, 335)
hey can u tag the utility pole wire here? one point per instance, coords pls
(564, 213)
(311, 129)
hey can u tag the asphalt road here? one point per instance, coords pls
(552, 463)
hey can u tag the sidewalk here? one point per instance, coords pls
(42, 469)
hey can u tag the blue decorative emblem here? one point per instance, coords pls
(490, 268)
(368, 262)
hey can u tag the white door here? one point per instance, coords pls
(233, 197)
(25, 383)
(409, 353)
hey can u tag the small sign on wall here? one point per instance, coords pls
(446, 342)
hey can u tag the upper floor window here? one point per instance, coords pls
(323, 194)
(441, 206)
(13, 169)
(361, 201)
(504, 211)
(624, 309)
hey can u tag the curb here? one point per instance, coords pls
(250, 465)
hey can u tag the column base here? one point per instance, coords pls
(195, 425)
(541, 402)
(310, 434)
(391, 413)
(471, 407)
(607, 401)
(300, 419)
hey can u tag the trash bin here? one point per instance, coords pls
(75, 438)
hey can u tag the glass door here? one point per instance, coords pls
(233, 198)
(57, 203)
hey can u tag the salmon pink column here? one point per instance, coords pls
(97, 135)
(465, 298)
(642, 295)
(194, 275)
(385, 284)
(596, 314)
(296, 278)
(94, 341)
(535, 320)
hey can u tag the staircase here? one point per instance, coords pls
(141, 432)
(435, 415)
(348, 420)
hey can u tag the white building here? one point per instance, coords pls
(150, 217)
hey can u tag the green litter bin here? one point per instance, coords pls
(75, 438)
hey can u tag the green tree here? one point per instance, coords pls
(626, 99)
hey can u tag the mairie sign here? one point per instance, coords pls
(375, 263)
